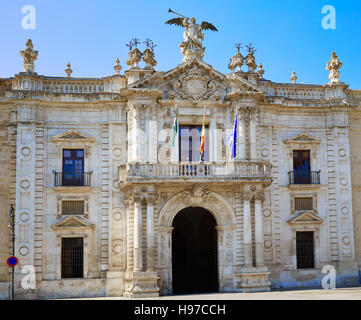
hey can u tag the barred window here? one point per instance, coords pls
(305, 250)
(71, 207)
(304, 203)
(72, 258)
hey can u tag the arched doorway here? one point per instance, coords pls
(194, 252)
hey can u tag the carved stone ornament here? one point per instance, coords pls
(134, 58)
(333, 67)
(236, 62)
(30, 56)
(196, 86)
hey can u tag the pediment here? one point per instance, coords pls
(303, 137)
(194, 80)
(305, 218)
(72, 135)
(73, 223)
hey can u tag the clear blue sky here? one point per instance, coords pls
(90, 34)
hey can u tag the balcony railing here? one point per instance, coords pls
(72, 179)
(304, 177)
(202, 171)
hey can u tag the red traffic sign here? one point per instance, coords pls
(12, 261)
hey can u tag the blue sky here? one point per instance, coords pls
(90, 34)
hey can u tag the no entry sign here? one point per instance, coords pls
(12, 261)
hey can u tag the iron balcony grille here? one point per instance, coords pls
(305, 250)
(304, 177)
(72, 258)
(72, 207)
(72, 179)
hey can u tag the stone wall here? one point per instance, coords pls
(355, 141)
(7, 185)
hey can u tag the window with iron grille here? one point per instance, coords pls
(72, 258)
(304, 203)
(72, 207)
(305, 250)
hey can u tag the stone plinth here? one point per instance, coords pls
(139, 284)
(253, 279)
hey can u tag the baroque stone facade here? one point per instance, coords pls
(137, 184)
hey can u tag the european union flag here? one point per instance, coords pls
(232, 138)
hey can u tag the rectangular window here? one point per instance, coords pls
(302, 166)
(72, 258)
(190, 142)
(304, 203)
(72, 207)
(305, 250)
(73, 167)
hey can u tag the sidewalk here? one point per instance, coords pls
(318, 294)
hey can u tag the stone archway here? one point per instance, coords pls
(225, 220)
(194, 252)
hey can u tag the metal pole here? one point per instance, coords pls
(12, 224)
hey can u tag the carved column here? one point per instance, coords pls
(252, 136)
(259, 229)
(213, 140)
(247, 229)
(150, 235)
(152, 135)
(137, 235)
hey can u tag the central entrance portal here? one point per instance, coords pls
(194, 252)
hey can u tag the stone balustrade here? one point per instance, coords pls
(69, 85)
(195, 171)
(295, 91)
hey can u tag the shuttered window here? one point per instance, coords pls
(71, 207)
(304, 203)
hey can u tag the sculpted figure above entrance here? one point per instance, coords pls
(192, 46)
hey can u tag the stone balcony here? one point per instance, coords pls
(226, 172)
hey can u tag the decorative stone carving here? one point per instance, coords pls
(333, 67)
(68, 70)
(250, 59)
(260, 71)
(148, 54)
(25, 151)
(135, 55)
(236, 62)
(195, 86)
(117, 67)
(30, 56)
(191, 47)
(25, 184)
(294, 77)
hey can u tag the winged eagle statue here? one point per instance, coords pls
(191, 47)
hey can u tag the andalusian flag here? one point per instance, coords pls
(175, 127)
(203, 136)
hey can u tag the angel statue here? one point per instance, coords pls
(191, 47)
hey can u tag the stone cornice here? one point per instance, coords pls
(140, 92)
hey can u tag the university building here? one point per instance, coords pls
(112, 196)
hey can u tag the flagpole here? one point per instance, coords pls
(203, 136)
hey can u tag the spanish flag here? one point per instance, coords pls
(203, 136)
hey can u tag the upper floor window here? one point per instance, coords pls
(73, 160)
(73, 167)
(190, 143)
(301, 160)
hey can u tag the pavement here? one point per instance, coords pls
(312, 294)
